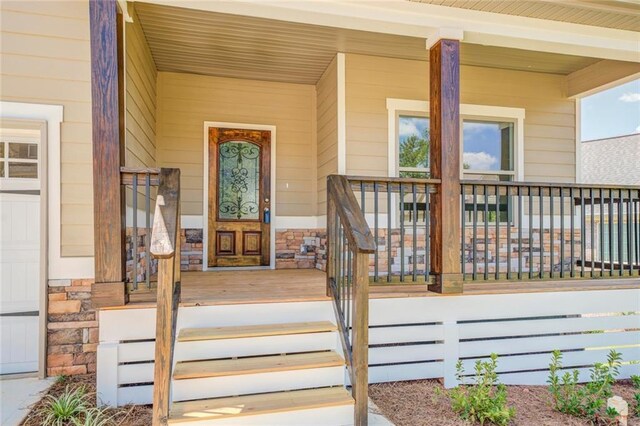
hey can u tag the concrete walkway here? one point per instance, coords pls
(17, 395)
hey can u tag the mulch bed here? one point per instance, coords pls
(423, 402)
(130, 415)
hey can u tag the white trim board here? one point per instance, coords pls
(205, 186)
(397, 106)
(412, 19)
(342, 113)
(59, 267)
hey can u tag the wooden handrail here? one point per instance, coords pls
(343, 207)
(127, 173)
(356, 228)
(165, 246)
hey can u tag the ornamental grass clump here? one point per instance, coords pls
(586, 400)
(72, 408)
(485, 400)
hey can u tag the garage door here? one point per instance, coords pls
(19, 250)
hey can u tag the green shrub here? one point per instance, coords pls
(583, 400)
(65, 408)
(73, 408)
(636, 396)
(484, 401)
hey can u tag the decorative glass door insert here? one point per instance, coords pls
(239, 181)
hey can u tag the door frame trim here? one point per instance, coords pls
(205, 186)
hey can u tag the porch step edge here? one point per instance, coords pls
(237, 332)
(254, 405)
(257, 364)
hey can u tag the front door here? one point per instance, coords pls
(239, 197)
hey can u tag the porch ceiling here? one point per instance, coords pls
(619, 14)
(201, 42)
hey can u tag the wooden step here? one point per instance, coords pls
(253, 365)
(237, 332)
(252, 405)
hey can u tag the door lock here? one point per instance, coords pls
(267, 215)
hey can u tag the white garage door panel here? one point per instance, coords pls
(18, 344)
(19, 252)
(19, 282)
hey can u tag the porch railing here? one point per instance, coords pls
(350, 243)
(165, 246)
(398, 212)
(141, 186)
(528, 231)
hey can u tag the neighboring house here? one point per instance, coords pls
(229, 128)
(612, 161)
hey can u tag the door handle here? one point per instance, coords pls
(267, 215)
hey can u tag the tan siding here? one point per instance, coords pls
(186, 101)
(140, 136)
(549, 132)
(45, 58)
(327, 110)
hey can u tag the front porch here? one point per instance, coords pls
(309, 285)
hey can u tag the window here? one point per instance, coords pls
(19, 154)
(488, 149)
(491, 139)
(413, 146)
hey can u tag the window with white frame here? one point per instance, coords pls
(491, 139)
(19, 155)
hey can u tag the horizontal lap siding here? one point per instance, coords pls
(186, 101)
(549, 131)
(141, 99)
(46, 59)
(327, 115)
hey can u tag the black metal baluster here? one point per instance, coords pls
(401, 232)
(520, 224)
(601, 239)
(530, 232)
(427, 232)
(362, 199)
(620, 234)
(593, 233)
(474, 243)
(376, 211)
(486, 233)
(415, 231)
(349, 298)
(508, 231)
(572, 207)
(134, 233)
(147, 236)
(583, 232)
(562, 236)
(551, 232)
(541, 194)
(611, 246)
(629, 237)
(389, 232)
(497, 272)
(462, 233)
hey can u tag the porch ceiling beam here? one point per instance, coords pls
(600, 76)
(108, 130)
(413, 19)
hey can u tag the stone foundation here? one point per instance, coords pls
(301, 249)
(191, 250)
(72, 328)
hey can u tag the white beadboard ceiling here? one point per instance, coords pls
(201, 42)
(618, 14)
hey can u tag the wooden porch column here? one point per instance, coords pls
(444, 66)
(108, 152)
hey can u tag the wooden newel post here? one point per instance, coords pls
(444, 65)
(360, 340)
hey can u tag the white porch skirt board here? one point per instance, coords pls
(410, 338)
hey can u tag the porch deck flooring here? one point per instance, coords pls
(304, 285)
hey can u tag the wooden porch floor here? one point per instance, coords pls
(297, 285)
